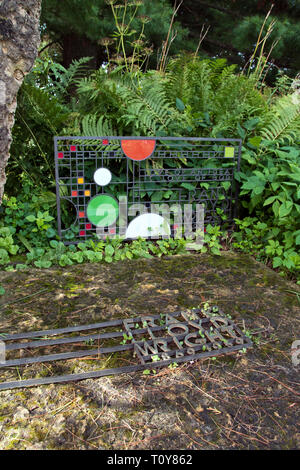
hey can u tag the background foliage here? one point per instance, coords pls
(77, 26)
(147, 88)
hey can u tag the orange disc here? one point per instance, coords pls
(138, 149)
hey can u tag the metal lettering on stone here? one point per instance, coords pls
(154, 340)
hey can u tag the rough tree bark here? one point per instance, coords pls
(19, 41)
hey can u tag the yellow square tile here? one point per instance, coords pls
(80, 180)
(229, 152)
(87, 193)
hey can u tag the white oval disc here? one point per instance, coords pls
(148, 226)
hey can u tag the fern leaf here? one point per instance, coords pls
(285, 126)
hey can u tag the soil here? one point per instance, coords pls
(242, 401)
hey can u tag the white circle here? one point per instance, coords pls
(148, 225)
(102, 176)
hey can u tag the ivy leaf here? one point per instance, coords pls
(277, 262)
(167, 194)
(50, 233)
(270, 200)
(157, 196)
(285, 208)
(42, 264)
(188, 186)
(255, 141)
(109, 251)
(248, 157)
(253, 183)
(226, 185)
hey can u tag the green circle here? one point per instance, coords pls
(102, 210)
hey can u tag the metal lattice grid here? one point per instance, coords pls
(180, 170)
(152, 341)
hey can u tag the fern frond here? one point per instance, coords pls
(97, 127)
(44, 108)
(64, 78)
(176, 78)
(285, 123)
(221, 75)
(190, 80)
(138, 106)
(195, 80)
(236, 100)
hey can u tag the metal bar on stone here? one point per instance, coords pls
(188, 335)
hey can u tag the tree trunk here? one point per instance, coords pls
(19, 41)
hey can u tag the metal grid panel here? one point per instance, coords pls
(193, 170)
(155, 340)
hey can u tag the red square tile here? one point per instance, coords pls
(88, 226)
(81, 214)
(73, 148)
(105, 142)
(60, 155)
(82, 233)
(74, 193)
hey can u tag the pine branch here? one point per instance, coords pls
(216, 7)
